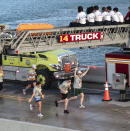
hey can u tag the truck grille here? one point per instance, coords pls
(72, 59)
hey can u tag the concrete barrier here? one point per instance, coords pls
(11, 125)
(95, 75)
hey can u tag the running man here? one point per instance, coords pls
(1, 77)
(78, 86)
(31, 78)
(37, 96)
(64, 87)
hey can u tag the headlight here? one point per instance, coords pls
(72, 63)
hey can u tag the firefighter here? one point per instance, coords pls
(31, 78)
(80, 18)
(1, 78)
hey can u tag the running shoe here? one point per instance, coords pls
(31, 107)
(66, 111)
(24, 92)
(56, 103)
(82, 106)
(40, 115)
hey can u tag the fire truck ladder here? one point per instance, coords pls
(50, 39)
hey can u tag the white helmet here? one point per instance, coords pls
(34, 66)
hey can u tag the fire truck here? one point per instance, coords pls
(51, 65)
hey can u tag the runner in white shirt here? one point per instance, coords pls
(119, 14)
(90, 16)
(80, 18)
(98, 16)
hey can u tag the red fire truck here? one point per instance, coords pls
(118, 71)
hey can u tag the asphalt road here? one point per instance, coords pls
(97, 116)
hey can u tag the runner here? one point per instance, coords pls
(37, 96)
(34, 85)
(64, 87)
(1, 78)
(31, 78)
(78, 86)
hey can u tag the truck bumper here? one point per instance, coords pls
(63, 75)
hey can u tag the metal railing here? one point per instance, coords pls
(41, 40)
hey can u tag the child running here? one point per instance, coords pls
(37, 96)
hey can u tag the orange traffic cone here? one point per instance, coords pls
(106, 94)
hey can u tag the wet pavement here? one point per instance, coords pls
(97, 116)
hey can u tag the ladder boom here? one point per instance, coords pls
(65, 37)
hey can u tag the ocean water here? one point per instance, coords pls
(58, 13)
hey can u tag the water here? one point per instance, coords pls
(58, 13)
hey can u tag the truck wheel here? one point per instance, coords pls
(1, 86)
(41, 78)
(44, 77)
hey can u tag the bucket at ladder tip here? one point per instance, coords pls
(67, 67)
(106, 93)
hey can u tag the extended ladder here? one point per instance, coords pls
(65, 37)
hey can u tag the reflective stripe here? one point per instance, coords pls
(106, 88)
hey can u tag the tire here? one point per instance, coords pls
(44, 76)
(1, 86)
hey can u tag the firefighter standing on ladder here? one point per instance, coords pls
(31, 79)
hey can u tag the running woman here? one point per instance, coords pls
(37, 96)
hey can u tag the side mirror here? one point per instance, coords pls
(5, 57)
(21, 58)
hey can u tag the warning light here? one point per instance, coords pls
(17, 51)
(117, 80)
(17, 71)
(73, 63)
(94, 67)
(57, 76)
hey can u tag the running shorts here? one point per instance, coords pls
(64, 96)
(29, 83)
(37, 99)
(77, 91)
